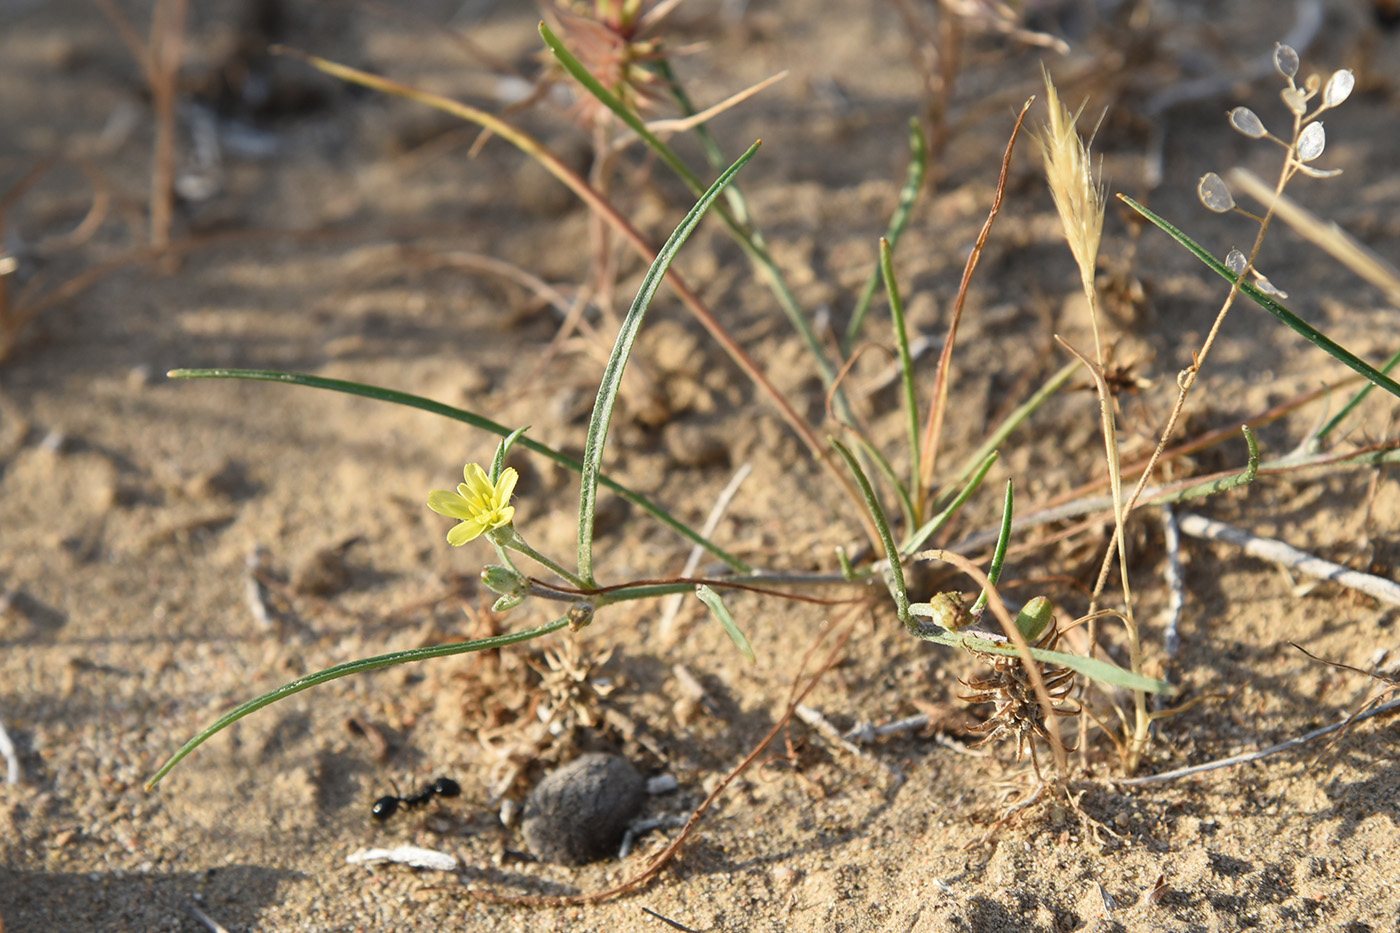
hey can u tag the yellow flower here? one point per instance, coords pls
(480, 505)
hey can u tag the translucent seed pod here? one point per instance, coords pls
(1247, 122)
(1338, 88)
(1034, 617)
(1236, 262)
(1296, 100)
(1286, 60)
(1267, 287)
(1311, 142)
(1214, 194)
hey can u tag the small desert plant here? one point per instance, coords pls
(1031, 681)
(1302, 146)
(481, 502)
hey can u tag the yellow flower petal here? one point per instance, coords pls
(465, 531)
(505, 486)
(451, 504)
(477, 480)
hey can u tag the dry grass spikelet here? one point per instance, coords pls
(1079, 197)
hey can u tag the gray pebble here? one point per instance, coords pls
(579, 812)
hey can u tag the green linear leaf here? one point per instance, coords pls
(1011, 423)
(916, 540)
(999, 554)
(1092, 668)
(721, 612)
(1312, 334)
(882, 525)
(622, 349)
(345, 670)
(906, 373)
(908, 196)
(476, 421)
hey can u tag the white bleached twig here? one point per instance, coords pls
(1198, 526)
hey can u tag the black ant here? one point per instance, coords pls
(387, 806)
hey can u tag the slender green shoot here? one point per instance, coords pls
(999, 554)
(882, 463)
(1310, 333)
(882, 525)
(916, 540)
(908, 196)
(1350, 406)
(720, 611)
(622, 349)
(906, 372)
(1003, 430)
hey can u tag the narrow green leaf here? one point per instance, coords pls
(882, 463)
(999, 554)
(498, 463)
(622, 349)
(1347, 409)
(908, 196)
(1092, 668)
(714, 156)
(1312, 334)
(749, 239)
(882, 525)
(476, 421)
(906, 373)
(345, 670)
(721, 612)
(916, 540)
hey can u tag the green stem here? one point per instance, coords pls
(509, 537)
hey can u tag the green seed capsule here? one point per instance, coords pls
(1034, 617)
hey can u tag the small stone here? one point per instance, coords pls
(579, 812)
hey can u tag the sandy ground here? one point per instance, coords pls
(332, 243)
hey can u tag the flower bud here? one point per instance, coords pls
(504, 581)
